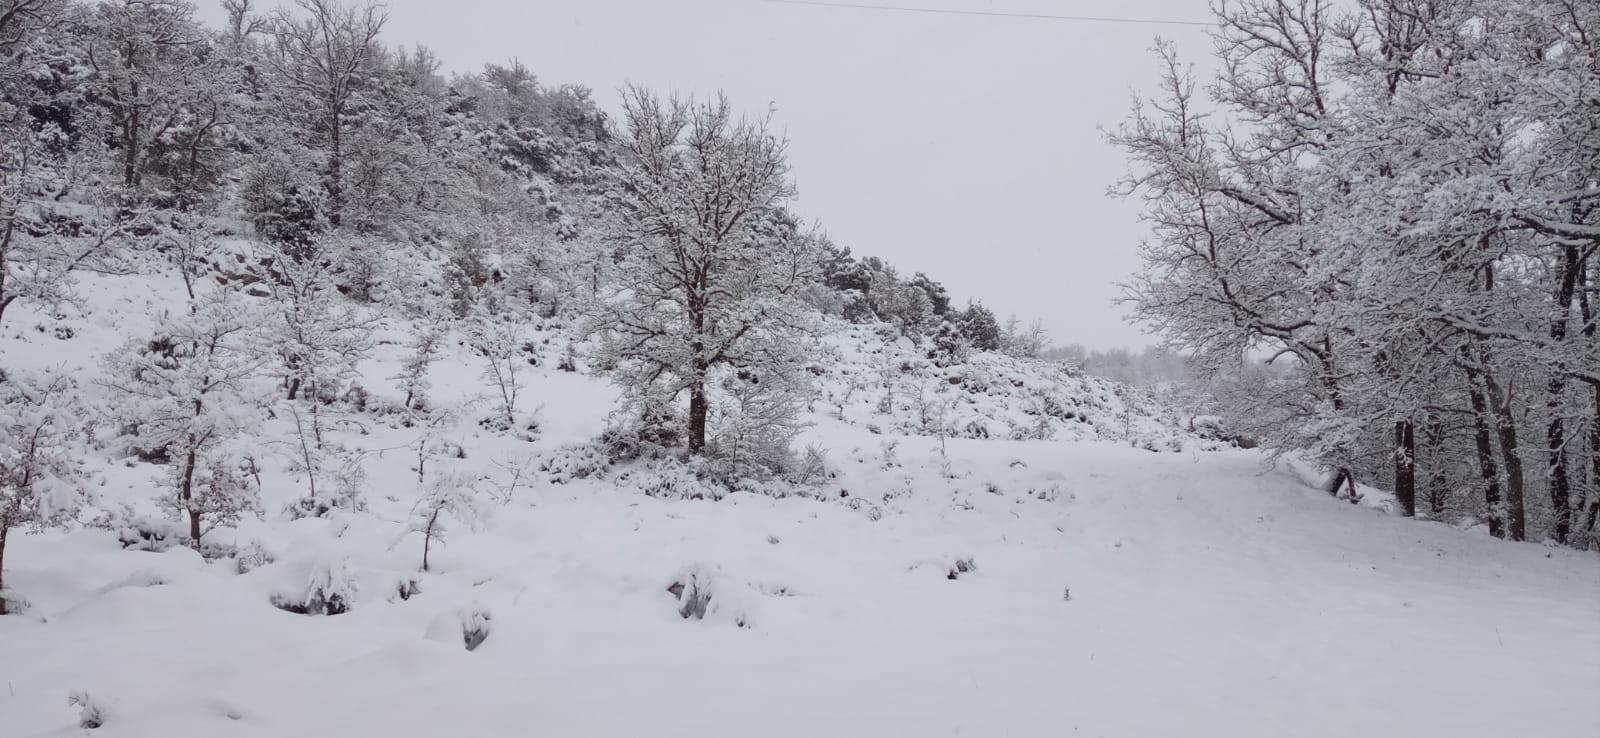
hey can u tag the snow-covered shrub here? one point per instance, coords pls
(574, 461)
(39, 465)
(693, 590)
(329, 590)
(960, 567)
(757, 417)
(653, 432)
(252, 556)
(405, 588)
(702, 592)
(91, 714)
(671, 479)
(468, 626)
(812, 467)
(335, 477)
(138, 531)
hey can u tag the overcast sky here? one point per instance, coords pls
(961, 146)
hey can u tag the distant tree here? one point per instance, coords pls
(978, 326)
(938, 298)
(320, 57)
(163, 86)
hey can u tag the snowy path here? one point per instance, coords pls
(1208, 599)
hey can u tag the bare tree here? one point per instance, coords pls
(319, 54)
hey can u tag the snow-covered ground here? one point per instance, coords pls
(1002, 588)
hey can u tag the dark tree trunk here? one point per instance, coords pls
(1589, 327)
(1488, 470)
(427, 537)
(1559, 484)
(3, 531)
(1405, 468)
(1340, 478)
(1510, 454)
(186, 495)
(697, 417)
(294, 387)
(335, 183)
(1438, 482)
(130, 137)
(1594, 463)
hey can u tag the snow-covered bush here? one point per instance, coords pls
(672, 479)
(329, 590)
(468, 626)
(757, 418)
(39, 466)
(137, 531)
(91, 714)
(335, 477)
(703, 592)
(252, 556)
(574, 461)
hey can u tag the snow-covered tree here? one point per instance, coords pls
(179, 396)
(757, 418)
(162, 88)
(315, 333)
(712, 269)
(320, 58)
(40, 427)
(1406, 228)
(498, 339)
(38, 265)
(447, 495)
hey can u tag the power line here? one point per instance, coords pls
(990, 13)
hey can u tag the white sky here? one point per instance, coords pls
(965, 147)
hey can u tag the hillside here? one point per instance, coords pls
(996, 587)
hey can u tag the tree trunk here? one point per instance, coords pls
(1488, 471)
(186, 495)
(294, 387)
(1594, 463)
(130, 138)
(335, 183)
(427, 537)
(3, 531)
(1339, 478)
(1510, 454)
(1405, 468)
(697, 417)
(1559, 484)
(1438, 483)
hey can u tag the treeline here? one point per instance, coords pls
(1398, 203)
(300, 122)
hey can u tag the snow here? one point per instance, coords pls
(1210, 594)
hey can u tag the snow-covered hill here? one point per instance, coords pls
(875, 378)
(928, 586)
